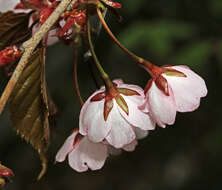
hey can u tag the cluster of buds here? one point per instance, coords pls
(5, 174)
(71, 22)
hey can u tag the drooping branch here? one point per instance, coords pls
(29, 46)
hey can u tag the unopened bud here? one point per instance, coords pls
(5, 172)
(112, 4)
(9, 55)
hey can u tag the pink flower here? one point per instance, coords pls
(82, 153)
(177, 88)
(112, 116)
(140, 134)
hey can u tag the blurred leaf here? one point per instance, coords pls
(13, 28)
(157, 37)
(216, 7)
(195, 55)
(30, 107)
(131, 7)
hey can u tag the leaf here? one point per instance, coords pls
(30, 107)
(13, 28)
(195, 55)
(157, 37)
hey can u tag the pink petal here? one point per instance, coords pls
(136, 117)
(88, 155)
(131, 147)
(187, 90)
(66, 147)
(91, 121)
(121, 132)
(144, 107)
(140, 134)
(162, 108)
(118, 81)
(83, 129)
(132, 87)
(7, 5)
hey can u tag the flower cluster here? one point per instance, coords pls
(117, 115)
(117, 119)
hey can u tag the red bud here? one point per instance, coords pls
(9, 55)
(112, 4)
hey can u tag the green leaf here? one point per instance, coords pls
(157, 37)
(195, 55)
(30, 107)
(13, 28)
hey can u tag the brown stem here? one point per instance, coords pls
(29, 46)
(75, 78)
(138, 59)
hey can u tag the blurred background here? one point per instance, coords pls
(184, 156)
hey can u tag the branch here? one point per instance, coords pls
(29, 46)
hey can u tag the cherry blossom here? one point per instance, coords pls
(82, 153)
(113, 118)
(177, 88)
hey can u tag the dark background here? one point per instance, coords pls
(184, 156)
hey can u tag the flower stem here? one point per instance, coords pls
(138, 59)
(75, 78)
(104, 75)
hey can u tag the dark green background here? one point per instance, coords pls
(184, 156)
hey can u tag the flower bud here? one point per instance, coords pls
(9, 55)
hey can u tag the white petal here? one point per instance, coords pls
(91, 120)
(121, 132)
(6, 5)
(83, 124)
(118, 81)
(162, 108)
(94, 118)
(66, 147)
(187, 90)
(88, 155)
(136, 117)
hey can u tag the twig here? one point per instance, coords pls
(75, 78)
(29, 46)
